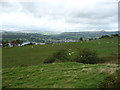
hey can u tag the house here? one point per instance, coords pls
(27, 43)
(39, 43)
(10, 45)
(31, 43)
(42, 43)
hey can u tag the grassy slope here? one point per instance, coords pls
(17, 56)
(57, 75)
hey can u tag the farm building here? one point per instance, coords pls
(32, 43)
(27, 43)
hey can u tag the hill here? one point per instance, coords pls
(85, 35)
(40, 37)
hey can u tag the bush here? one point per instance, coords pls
(90, 39)
(105, 36)
(59, 56)
(87, 56)
(115, 35)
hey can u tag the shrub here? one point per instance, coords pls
(115, 35)
(49, 60)
(90, 39)
(87, 56)
(81, 39)
(105, 36)
(59, 56)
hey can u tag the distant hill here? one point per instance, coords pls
(39, 37)
(86, 35)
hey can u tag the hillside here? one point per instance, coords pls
(23, 66)
(58, 75)
(17, 56)
(85, 35)
(40, 37)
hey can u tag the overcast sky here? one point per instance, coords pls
(59, 15)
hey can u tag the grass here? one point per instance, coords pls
(23, 66)
(57, 75)
(25, 56)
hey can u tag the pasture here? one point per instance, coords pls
(35, 55)
(23, 66)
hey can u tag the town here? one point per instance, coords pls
(19, 42)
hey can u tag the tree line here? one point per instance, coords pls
(17, 42)
(103, 36)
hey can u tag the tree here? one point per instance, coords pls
(3, 43)
(13, 42)
(81, 39)
(105, 36)
(21, 41)
(90, 39)
(6, 43)
(18, 41)
(115, 35)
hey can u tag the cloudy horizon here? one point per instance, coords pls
(59, 15)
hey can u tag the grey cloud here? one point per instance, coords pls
(30, 8)
(96, 16)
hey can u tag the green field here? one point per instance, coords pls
(18, 56)
(23, 66)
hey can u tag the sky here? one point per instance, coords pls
(58, 15)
